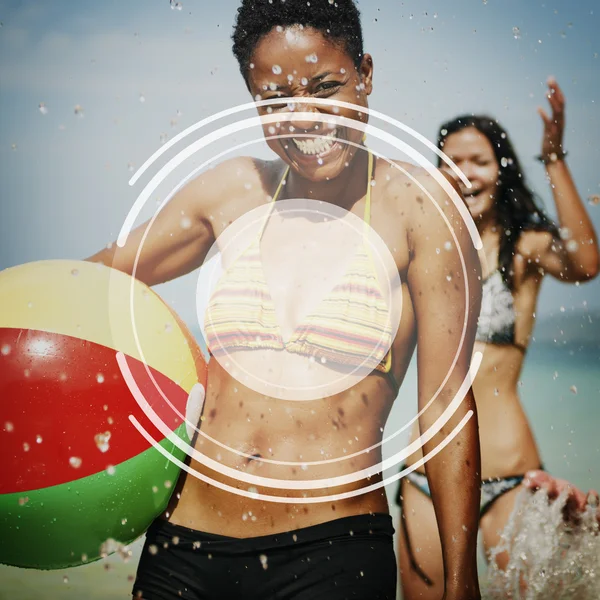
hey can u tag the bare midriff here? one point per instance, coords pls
(506, 439)
(251, 434)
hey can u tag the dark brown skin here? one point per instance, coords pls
(508, 445)
(264, 427)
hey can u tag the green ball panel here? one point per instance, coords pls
(65, 525)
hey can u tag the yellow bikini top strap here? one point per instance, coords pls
(272, 202)
(367, 215)
(287, 170)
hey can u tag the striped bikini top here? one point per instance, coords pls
(350, 326)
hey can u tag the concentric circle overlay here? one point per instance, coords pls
(306, 301)
(343, 224)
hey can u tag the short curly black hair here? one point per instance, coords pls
(338, 20)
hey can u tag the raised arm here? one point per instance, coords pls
(181, 235)
(446, 320)
(574, 256)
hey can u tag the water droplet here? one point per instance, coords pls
(102, 440)
(75, 272)
(24, 500)
(311, 58)
(573, 389)
(168, 484)
(277, 69)
(100, 378)
(272, 130)
(168, 328)
(142, 98)
(176, 5)
(448, 277)
(75, 462)
(8, 426)
(78, 110)
(304, 81)
(504, 162)
(123, 521)
(516, 33)
(153, 549)
(320, 160)
(565, 233)
(594, 200)
(130, 167)
(25, 447)
(263, 561)
(38, 439)
(65, 579)
(572, 246)
(185, 223)
(110, 470)
(13, 146)
(5, 349)
(295, 537)
(43, 108)
(496, 392)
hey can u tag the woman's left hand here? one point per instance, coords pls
(554, 125)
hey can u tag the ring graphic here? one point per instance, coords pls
(301, 484)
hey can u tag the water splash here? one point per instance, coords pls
(549, 559)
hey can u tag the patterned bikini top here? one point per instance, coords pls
(496, 323)
(350, 326)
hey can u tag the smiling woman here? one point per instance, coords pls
(285, 497)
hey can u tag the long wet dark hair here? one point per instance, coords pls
(517, 208)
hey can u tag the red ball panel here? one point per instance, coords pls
(60, 396)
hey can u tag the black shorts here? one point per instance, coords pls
(351, 557)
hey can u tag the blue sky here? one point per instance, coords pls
(63, 178)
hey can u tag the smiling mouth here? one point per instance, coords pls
(317, 146)
(471, 196)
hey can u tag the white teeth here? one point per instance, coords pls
(311, 146)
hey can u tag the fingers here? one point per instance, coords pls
(545, 117)
(576, 499)
(556, 99)
(593, 498)
(535, 480)
(556, 90)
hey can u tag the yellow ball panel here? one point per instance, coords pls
(100, 304)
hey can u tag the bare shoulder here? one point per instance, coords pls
(230, 176)
(534, 243)
(427, 197)
(231, 181)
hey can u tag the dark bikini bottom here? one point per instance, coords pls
(491, 490)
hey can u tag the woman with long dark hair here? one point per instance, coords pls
(521, 245)
(276, 311)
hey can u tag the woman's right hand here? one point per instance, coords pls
(577, 501)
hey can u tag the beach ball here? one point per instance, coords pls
(101, 387)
